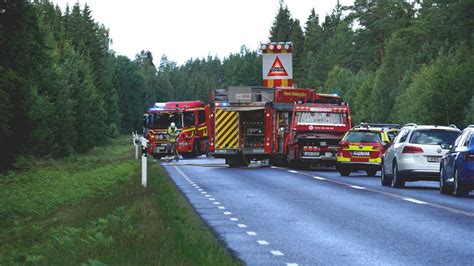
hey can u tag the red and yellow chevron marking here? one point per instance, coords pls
(227, 129)
(270, 83)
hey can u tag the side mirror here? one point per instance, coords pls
(446, 146)
(386, 144)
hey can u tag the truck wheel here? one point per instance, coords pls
(371, 172)
(344, 172)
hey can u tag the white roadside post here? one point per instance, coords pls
(144, 142)
(136, 142)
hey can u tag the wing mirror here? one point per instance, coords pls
(386, 144)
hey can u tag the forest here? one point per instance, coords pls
(63, 90)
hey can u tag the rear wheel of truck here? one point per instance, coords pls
(371, 172)
(344, 172)
(235, 162)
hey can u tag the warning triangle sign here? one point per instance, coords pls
(277, 69)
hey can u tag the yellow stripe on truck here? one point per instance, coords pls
(227, 129)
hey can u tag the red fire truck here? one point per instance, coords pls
(257, 123)
(316, 131)
(191, 119)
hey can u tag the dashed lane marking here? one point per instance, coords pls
(207, 196)
(292, 264)
(415, 201)
(216, 203)
(242, 225)
(251, 233)
(234, 219)
(227, 213)
(319, 178)
(263, 242)
(277, 253)
(357, 187)
(293, 171)
(221, 207)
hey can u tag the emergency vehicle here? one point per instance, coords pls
(258, 123)
(317, 128)
(191, 119)
(362, 148)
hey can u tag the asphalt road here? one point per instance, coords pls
(277, 216)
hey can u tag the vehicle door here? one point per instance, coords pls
(452, 154)
(393, 149)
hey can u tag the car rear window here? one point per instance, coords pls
(363, 136)
(433, 137)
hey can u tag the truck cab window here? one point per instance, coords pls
(188, 118)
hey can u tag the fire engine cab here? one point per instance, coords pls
(191, 119)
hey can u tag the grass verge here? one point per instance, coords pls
(91, 210)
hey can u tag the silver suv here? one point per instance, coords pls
(416, 153)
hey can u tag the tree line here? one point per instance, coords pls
(63, 90)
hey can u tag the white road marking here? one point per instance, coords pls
(200, 189)
(251, 233)
(207, 196)
(216, 203)
(227, 213)
(263, 242)
(242, 225)
(319, 178)
(234, 219)
(221, 207)
(415, 201)
(292, 264)
(293, 171)
(203, 192)
(357, 187)
(276, 253)
(212, 199)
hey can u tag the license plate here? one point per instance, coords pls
(328, 154)
(311, 153)
(360, 153)
(434, 159)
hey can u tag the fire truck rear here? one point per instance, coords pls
(191, 119)
(316, 130)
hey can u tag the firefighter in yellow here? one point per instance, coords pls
(172, 137)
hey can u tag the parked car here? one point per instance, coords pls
(362, 147)
(416, 154)
(457, 166)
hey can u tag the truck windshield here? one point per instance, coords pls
(163, 120)
(314, 118)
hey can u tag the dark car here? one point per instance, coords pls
(457, 166)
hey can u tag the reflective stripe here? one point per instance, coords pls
(227, 129)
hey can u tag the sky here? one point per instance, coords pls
(185, 29)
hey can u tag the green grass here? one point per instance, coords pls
(91, 209)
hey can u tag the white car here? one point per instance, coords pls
(416, 153)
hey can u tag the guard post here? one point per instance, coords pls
(144, 142)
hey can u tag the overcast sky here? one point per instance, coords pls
(184, 29)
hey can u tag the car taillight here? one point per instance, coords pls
(305, 148)
(412, 149)
(468, 157)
